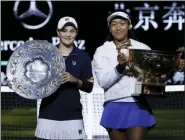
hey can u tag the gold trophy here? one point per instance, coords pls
(151, 68)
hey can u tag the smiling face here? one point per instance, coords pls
(67, 35)
(119, 28)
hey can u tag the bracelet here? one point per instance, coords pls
(120, 68)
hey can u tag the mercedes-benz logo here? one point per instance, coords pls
(33, 11)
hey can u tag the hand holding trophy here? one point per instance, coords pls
(154, 66)
(151, 68)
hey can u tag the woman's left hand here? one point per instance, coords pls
(67, 77)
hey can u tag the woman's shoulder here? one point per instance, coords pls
(139, 45)
(105, 47)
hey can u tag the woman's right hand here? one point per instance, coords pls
(9, 84)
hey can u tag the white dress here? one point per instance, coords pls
(59, 130)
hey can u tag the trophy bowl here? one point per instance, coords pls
(152, 66)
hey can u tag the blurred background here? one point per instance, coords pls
(160, 25)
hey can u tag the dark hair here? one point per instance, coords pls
(119, 10)
(68, 24)
(130, 32)
(118, 17)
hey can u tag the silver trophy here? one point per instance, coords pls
(35, 69)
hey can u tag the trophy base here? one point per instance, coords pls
(149, 89)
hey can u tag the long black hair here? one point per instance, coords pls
(130, 32)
